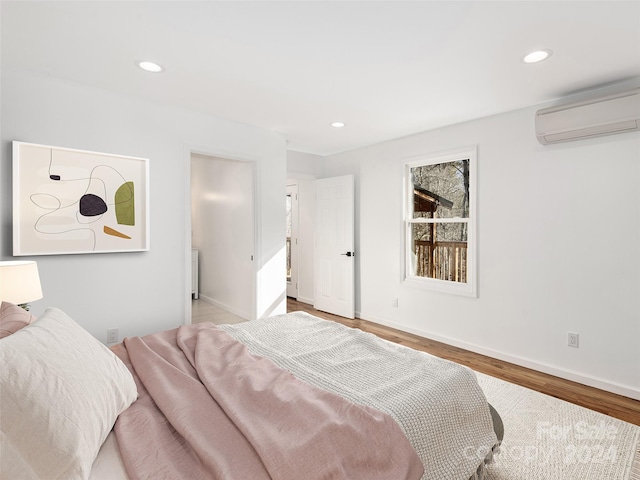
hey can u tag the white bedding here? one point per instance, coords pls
(108, 464)
(61, 392)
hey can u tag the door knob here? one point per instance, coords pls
(349, 254)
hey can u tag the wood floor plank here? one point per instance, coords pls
(617, 406)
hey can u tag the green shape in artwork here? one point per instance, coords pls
(125, 205)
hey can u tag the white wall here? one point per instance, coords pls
(145, 292)
(304, 165)
(222, 226)
(302, 169)
(558, 233)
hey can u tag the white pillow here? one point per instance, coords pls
(61, 391)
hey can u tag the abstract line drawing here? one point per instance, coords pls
(75, 201)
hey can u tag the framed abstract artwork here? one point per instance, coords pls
(69, 201)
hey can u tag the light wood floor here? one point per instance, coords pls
(202, 311)
(611, 404)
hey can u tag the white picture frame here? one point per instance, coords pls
(68, 201)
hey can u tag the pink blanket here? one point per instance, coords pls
(209, 409)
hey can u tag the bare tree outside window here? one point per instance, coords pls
(440, 205)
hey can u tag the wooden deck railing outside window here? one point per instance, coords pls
(441, 260)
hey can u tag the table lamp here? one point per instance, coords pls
(20, 283)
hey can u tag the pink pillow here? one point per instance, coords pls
(13, 318)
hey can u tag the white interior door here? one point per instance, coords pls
(334, 246)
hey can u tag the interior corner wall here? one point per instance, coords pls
(142, 292)
(558, 235)
(304, 165)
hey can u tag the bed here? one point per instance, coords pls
(286, 397)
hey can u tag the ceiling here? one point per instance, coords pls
(385, 68)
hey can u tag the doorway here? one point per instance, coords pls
(223, 232)
(292, 241)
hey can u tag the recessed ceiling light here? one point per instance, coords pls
(338, 124)
(537, 56)
(150, 66)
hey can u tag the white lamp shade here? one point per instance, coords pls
(19, 282)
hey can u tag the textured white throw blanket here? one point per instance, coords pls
(437, 403)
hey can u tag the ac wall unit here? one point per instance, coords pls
(617, 113)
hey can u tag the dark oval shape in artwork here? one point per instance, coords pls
(92, 205)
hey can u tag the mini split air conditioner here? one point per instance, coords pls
(617, 113)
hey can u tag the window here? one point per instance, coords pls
(440, 222)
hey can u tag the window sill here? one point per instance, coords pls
(441, 286)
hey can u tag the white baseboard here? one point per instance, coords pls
(595, 382)
(308, 301)
(224, 306)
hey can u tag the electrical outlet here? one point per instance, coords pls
(112, 335)
(572, 339)
(395, 302)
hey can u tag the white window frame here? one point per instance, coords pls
(470, 288)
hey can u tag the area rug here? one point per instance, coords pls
(546, 438)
